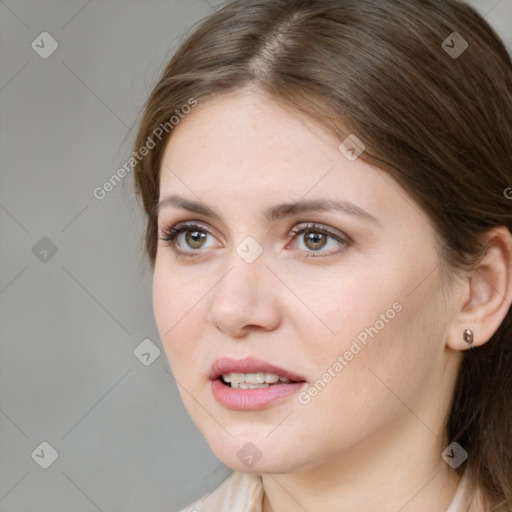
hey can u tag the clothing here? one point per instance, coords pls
(244, 493)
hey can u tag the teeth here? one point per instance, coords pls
(271, 377)
(234, 377)
(255, 378)
(252, 380)
(244, 385)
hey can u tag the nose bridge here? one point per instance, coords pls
(242, 281)
(242, 296)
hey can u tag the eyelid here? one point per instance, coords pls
(189, 225)
(337, 235)
(184, 224)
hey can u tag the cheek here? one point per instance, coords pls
(174, 303)
(357, 306)
(388, 346)
(354, 388)
(372, 326)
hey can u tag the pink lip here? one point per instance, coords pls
(251, 399)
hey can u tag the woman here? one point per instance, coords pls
(328, 221)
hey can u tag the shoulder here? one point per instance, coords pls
(239, 491)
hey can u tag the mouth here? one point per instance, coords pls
(250, 384)
(251, 373)
(253, 380)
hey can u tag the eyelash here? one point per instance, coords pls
(170, 234)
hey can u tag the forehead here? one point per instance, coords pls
(248, 150)
(238, 132)
(239, 125)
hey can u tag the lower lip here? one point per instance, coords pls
(252, 399)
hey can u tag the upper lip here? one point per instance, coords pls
(249, 365)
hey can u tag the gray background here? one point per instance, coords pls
(71, 320)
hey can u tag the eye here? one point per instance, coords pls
(188, 238)
(313, 238)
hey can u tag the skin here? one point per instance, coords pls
(372, 438)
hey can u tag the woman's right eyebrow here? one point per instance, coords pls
(277, 212)
(191, 206)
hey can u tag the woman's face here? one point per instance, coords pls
(296, 260)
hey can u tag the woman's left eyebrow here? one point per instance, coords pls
(274, 213)
(318, 205)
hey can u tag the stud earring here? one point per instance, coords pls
(468, 336)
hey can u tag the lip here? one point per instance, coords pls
(251, 399)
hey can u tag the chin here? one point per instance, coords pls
(257, 455)
(274, 466)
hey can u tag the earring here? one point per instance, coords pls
(468, 336)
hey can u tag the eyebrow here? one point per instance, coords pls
(277, 212)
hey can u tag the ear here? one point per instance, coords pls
(486, 294)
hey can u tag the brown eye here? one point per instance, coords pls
(188, 238)
(314, 240)
(195, 239)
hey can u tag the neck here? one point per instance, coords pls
(390, 472)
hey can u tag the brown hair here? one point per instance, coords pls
(439, 123)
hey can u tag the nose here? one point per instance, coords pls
(245, 299)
